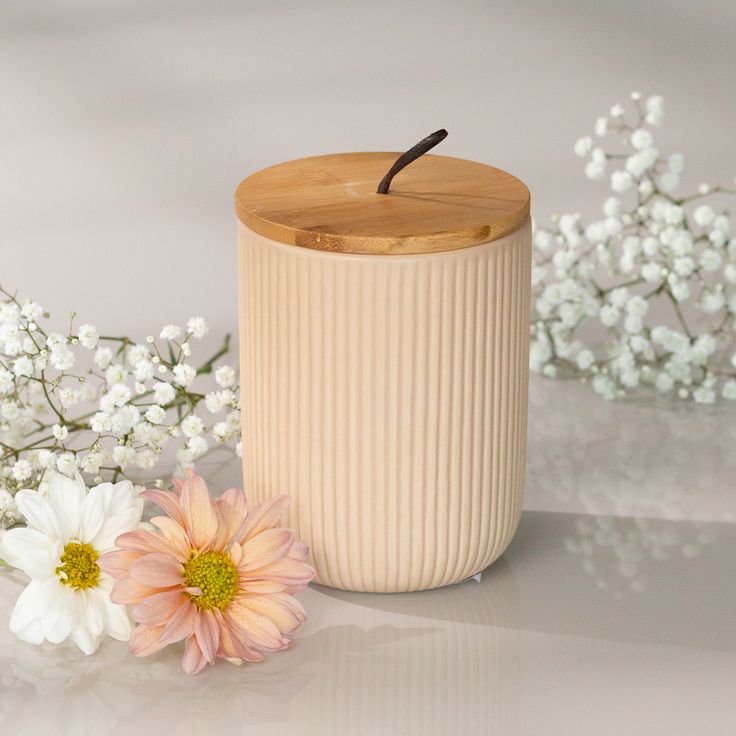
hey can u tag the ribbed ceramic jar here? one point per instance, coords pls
(386, 390)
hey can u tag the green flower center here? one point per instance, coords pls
(215, 574)
(78, 567)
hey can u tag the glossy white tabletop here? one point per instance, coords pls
(588, 624)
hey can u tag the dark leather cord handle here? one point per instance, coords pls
(412, 154)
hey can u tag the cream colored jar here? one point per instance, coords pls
(384, 362)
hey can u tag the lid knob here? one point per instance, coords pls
(424, 145)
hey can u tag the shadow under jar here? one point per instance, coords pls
(384, 362)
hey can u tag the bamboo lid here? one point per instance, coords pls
(330, 203)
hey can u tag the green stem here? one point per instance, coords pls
(679, 314)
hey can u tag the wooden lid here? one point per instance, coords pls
(330, 203)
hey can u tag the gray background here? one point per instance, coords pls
(125, 126)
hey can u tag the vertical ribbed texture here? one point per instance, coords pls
(387, 395)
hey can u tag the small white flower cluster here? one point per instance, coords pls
(656, 272)
(106, 412)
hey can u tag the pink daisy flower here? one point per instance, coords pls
(215, 575)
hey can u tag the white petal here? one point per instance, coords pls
(125, 495)
(39, 512)
(31, 551)
(32, 633)
(106, 493)
(27, 612)
(123, 508)
(113, 527)
(117, 621)
(117, 498)
(62, 612)
(105, 583)
(84, 639)
(66, 496)
(92, 514)
(92, 610)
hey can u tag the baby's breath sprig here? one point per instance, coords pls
(657, 272)
(108, 412)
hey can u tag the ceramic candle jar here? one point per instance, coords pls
(384, 362)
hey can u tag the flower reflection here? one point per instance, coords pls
(56, 690)
(43, 684)
(96, 694)
(617, 552)
(628, 459)
(630, 469)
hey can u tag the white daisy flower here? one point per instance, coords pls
(68, 529)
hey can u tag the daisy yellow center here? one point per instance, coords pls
(79, 569)
(215, 574)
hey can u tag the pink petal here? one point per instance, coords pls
(234, 498)
(226, 648)
(299, 550)
(265, 548)
(199, 512)
(236, 553)
(284, 610)
(167, 501)
(255, 585)
(286, 570)
(157, 570)
(294, 589)
(248, 653)
(145, 640)
(231, 644)
(193, 660)
(117, 564)
(178, 484)
(143, 540)
(265, 515)
(181, 624)
(158, 609)
(208, 635)
(175, 536)
(129, 591)
(255, 627)
(232, 508)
